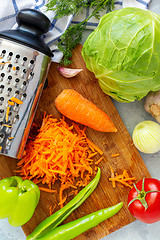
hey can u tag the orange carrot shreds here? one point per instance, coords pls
(121, 178)
(59, 153)
(16, 100)
(95, 168)
(51, 209)
(10, 103)
(3, 63)
(6, 125)
(99, 160)
(115, 155)
(14, 68)
(62, 199)
(10, 138)
(7, 113)
(95, 147)
(47, 190)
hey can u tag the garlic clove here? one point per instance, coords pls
(152, 104)
(68, 72)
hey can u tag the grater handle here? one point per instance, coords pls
(32, 24)
(32, 21)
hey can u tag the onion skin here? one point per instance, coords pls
(146, 137)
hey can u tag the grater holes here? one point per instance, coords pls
(24, 95)
(1, 100)
(32, 61)
(9, 67)
(2, 65)
(1, 88)
(16, 107)
(16, 118)
(23, 75)
(8, 143)
(9, 79)
(16, 82)
(24, 85)
(9, 116)
(24, 61)
(17, 68)
(2, 77)
(3, 53)
(8, 129)
(31, 75)
(10, 54)
(17, 92)
(1, 125)
(9, 90)
(1, 113)
(31, 64)
(17, 58)
(1, 137)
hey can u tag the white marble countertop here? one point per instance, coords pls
(131, 114)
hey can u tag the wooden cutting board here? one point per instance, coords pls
(111, 143)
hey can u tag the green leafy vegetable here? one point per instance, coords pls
(124, 54)
(73, 35)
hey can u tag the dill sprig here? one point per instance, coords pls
(73, 35)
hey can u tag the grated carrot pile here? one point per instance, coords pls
(123, 178)
(59, 152)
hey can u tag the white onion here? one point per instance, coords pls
(146, 137)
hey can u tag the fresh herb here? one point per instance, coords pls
(73, 35)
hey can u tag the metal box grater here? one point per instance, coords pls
(24, 63)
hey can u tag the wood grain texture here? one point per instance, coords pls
(111, 143)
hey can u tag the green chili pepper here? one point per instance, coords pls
(55, 219)
(18, 200)
(73, 229)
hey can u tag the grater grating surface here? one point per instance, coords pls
(22, 78)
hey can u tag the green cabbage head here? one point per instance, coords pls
(124, 53)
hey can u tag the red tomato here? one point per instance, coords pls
(141, 197)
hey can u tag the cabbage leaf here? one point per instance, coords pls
(124, 53)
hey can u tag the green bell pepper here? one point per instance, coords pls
(18, 200)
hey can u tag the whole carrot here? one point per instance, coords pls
(79, 109)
